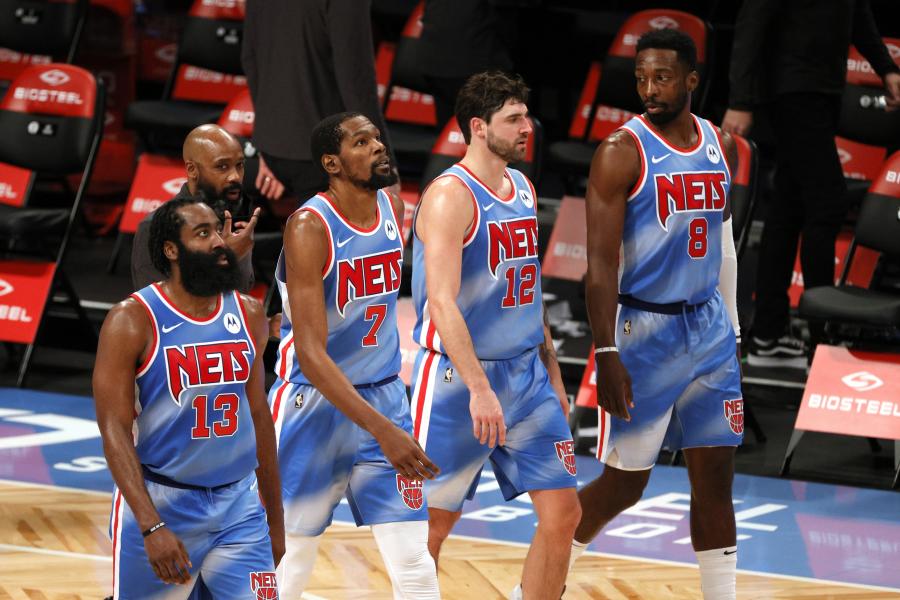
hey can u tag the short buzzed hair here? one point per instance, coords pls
(327, 135)
(671, 39)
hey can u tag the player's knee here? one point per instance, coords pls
(562, 516)
(440, 524)
(405, 552)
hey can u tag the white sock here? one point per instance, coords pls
(404, 548)
(516, 594)
(717, 573)
(296, 565)
(577, 550)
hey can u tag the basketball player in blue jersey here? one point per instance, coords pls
(341, 413)
(661, 284)
(179, 389)
(487, 382)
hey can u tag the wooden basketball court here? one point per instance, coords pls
(54, 546)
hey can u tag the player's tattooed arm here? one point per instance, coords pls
(126, 339)
(547, 352)
(307, 252)
(266, 455)
(615, 169)
(446, 215)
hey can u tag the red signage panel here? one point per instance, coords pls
(157, 180)
(587, 391)
(860, 71)
(203, 85)
(585, 102)
(12, 63)
(852, 393)
(15, 184)
(859, 161)
(24, 288)
(409, 106)
(566, 255)
(606, 120)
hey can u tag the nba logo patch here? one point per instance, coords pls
(448, 375)
(627, 328)
(411, 492)
(565, 452)
(734, 414)
(263, 585)
(298, 401)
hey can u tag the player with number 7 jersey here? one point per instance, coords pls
(341, 413)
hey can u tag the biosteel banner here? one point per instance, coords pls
(852, 393)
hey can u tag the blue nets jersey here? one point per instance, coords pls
(193, 418)
(500, 281)
(671, 242)
(361, 281)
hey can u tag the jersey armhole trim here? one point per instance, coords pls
(145, 365)
(639, 184)
(398, 221)
(329, 264)
(243, 310)
(721, 149)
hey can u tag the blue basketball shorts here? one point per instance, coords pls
(686, 382)
(538, 454)
(323, 456)
(224, 531)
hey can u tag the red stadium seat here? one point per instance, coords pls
(743, 191)
(38, 33)
(207, 74)
(877, 229)
(51, 121)
(610, 91)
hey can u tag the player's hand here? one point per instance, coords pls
(406, 455)
(168, 556)
(266, 182)
(488, 425)
(613, 385)
(239, 236)
(276, 535)
(737, 121)
(892, 87)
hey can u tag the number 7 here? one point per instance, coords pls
(376, 313)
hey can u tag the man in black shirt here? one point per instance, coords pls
(305, 60)
(790, 58)
(214, 161)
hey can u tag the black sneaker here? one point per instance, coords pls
(786, 352)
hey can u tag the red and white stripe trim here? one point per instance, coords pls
(604, 422)
(423, 391)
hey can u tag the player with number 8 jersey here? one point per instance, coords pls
(341, 412)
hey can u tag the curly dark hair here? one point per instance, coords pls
(165, 226)
(483, 94)
(671, 39)
(326, 136)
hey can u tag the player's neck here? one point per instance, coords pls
(681, 131)
(489, 168)
(357, 205)
(199, 307)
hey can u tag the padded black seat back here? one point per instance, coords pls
(743, 190)
(212, 37)
(863, 118)
(617, 88)
(42, 27)
(878, 224)
(50, 119)
(406, 71)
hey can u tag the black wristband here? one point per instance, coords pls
(154, 528)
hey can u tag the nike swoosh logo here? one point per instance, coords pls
(488, 207)
(168, 329)
(732, 552)
(342, 243)
(656, 159)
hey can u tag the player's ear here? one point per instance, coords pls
(478, 127)
(170, 250)
(193, 173)
(693, 80)
(331, 163)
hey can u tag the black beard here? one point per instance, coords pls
(376, 181)
(667, 116)
(218, 202)
(203, 276)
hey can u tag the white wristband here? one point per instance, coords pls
(606, 349)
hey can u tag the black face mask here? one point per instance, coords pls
(201, 273)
